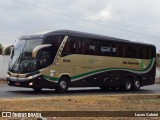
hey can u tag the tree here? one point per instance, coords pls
(1, 48)
(7, 51)
(1, 45)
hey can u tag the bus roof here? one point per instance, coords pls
(80, 34)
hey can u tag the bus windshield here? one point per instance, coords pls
(21, 56)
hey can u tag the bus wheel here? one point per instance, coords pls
(37, 89)
(137, 84)
(62, 85)
(128, 84)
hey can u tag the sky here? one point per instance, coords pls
(135, 20)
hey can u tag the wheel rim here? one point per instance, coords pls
(137, 84)
(63, 84)
(128, 85)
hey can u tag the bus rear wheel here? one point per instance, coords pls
(137, 84)
(62, 85)
(128, 84)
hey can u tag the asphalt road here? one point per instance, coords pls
(11, 92)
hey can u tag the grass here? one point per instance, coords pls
(84, 103)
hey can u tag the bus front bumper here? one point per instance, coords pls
(30, 82)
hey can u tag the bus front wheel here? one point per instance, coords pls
(62, 85)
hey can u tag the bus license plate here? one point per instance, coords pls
(17, 84)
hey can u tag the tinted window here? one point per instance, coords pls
(120, 50)
(139, 51)
(54, 40)
(108, 48)
(105, 48)
(132, 51)
(79, 45)
(90, 46)
(70, 47)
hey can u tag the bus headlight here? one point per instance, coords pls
(30, 77)
(31, 84)
(33, 76)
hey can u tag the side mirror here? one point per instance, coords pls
(38, 48)
(6, 50)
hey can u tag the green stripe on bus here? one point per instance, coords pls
(100, 71)
(109, 69)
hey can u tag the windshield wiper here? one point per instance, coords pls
(17, 61)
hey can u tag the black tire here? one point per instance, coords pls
(62, 86)
(37, 89)
(128, 84)
(137, 84)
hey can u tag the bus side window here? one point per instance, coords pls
(120, 50)
(144, 55)
(70, 47)
(143, 52)
(147, 52)
(55, 41)
(105, 49)
(92, 47)
(89, 46)
(78, 46)
(132, 51)
(114, 49)
(152, 51)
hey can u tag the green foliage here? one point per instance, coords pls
(8, 51)
(1, 45)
